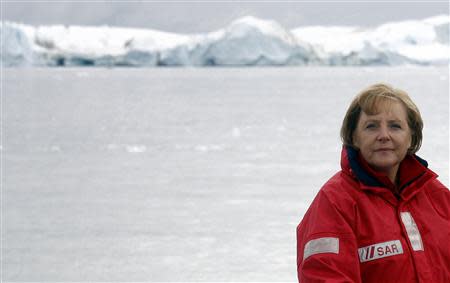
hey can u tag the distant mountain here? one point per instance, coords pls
(247, 41)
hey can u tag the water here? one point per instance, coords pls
(179, 174)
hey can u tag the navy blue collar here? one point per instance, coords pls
(362, 175)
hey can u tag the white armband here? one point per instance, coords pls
(320, 246)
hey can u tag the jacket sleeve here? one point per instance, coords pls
(326, 245)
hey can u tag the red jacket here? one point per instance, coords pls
(359, 230)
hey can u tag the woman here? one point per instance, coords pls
(384, 217)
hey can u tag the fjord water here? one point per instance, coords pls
(179, 174)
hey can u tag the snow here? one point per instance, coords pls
(245, 41)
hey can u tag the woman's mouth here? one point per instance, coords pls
(384, 149)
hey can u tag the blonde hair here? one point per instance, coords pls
(377, 96)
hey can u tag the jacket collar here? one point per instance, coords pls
(413, 173)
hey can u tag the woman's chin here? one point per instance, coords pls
(384, 166)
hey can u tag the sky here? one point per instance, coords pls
(205, 16)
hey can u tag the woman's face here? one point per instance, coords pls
(384, 138)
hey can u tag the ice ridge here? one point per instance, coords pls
(247, 41)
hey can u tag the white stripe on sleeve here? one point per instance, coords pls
(321, 245)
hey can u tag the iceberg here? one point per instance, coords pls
(16, 46)
(247, 41)
(251, 41)
(409, 42)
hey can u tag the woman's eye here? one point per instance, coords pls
(370, 126)
(396, 126)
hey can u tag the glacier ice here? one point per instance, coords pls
(247, 41)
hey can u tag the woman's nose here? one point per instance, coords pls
(383, 134)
